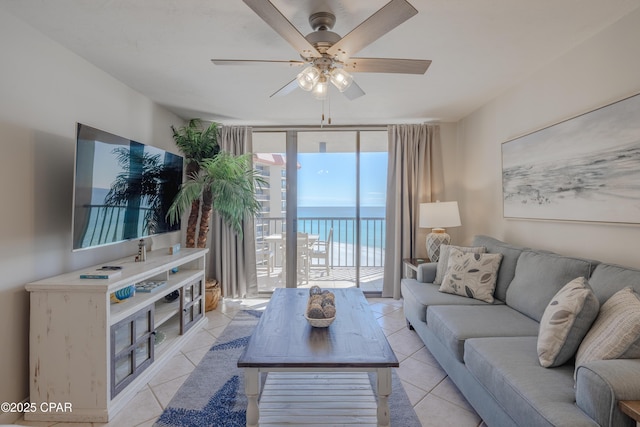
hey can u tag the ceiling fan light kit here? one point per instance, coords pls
(326, 54)
(321, 88)
(315, 80)
(341, 79)
(308, 78)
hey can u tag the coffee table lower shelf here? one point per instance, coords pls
(338, 396)
(318, 399)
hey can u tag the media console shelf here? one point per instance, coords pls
(94, 354)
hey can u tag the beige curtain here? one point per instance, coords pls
(413, 177)
(233, 261)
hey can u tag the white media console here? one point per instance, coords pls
(94, 354)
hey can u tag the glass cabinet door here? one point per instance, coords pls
(192, 305)
(132, 342)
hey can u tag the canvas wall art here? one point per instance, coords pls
(583, 169)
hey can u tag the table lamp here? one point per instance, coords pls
(437, 216)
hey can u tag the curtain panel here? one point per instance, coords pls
(233, 261)
(414, 174)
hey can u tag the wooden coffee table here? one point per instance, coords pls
(284, 341)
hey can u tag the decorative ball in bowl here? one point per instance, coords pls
(321, 308)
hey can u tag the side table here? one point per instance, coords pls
(411, 266)
(631, 408)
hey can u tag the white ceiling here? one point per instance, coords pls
(162, 48)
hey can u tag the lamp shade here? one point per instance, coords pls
(439, 215)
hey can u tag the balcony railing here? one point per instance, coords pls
(344, 246)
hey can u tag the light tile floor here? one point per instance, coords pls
(436, 400)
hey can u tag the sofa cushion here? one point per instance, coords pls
(453, 325)
(443, 261)
(535, 396)
(471, 274)
(418, 296)
(510, 255)
(607, 279)
(616, 332)
(539, 276)
(565, 322)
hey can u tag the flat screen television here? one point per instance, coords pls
(122, 189)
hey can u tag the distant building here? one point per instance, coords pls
(273, 195)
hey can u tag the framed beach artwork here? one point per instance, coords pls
(586, 168)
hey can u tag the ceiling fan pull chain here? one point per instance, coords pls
(329, 107)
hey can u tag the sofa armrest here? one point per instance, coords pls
(601, 384)
(426, 272)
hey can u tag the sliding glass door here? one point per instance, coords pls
(327, 206)
(323, 214)
(270, 161)
(372, 197)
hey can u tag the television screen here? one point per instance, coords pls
(122, 189)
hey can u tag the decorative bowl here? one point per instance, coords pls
(320, 323)
(124, 293)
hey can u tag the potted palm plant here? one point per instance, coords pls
(196, 144)
(225, 184)
(216, 181)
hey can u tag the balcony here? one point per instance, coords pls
(347, 263)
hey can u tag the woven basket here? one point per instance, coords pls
(320, 323)
(212, 295)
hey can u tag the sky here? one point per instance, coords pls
(329, 179)
(615, 125)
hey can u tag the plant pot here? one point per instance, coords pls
(212, 294)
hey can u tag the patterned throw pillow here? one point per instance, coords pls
(471, 275)
(565, 322)
(443, 261)
(616, 332)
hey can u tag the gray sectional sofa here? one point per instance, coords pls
(489, 350)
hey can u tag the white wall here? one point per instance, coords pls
(44, 90)
(604, 69)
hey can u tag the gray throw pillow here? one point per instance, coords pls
(471, 275)
(441, 268)
(565, 322)
(616, 332)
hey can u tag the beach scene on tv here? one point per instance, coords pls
(123, 189)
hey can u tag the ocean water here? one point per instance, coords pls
(321, 219)
(340, 212)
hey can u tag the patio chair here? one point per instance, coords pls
(322, 251)
(264, 257)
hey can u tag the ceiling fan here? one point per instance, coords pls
(327, 56)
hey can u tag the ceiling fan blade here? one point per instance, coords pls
(387, 65)
(276, 20)
(353, 91)
(286, 89)
(384, 20)
(255, 62)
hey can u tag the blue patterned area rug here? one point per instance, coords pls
(213, 395)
